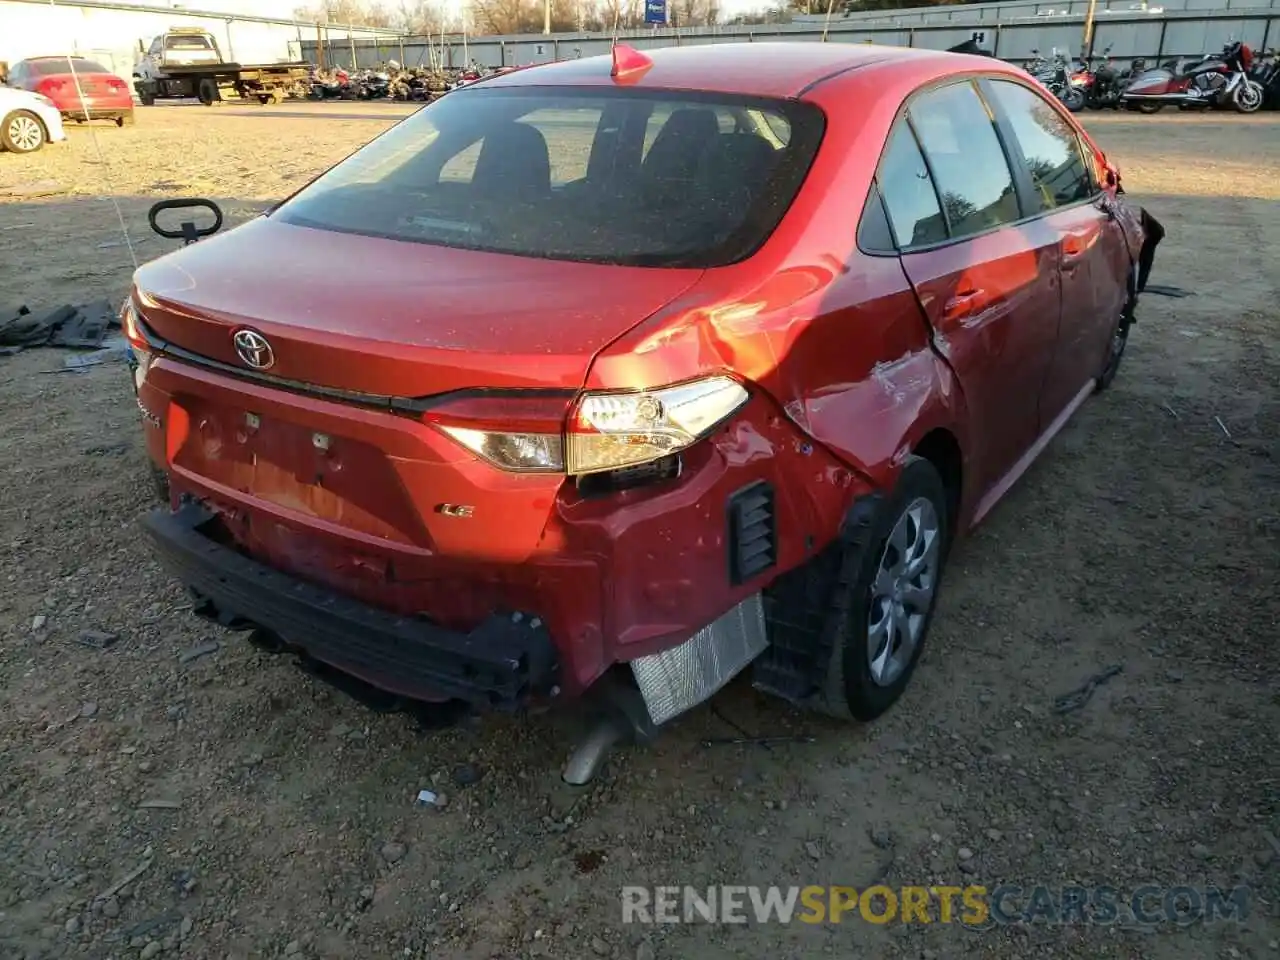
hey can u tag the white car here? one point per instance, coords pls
(28, 121)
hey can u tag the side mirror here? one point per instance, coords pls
(1112, 175)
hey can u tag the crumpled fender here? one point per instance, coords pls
(1152, 234)
(1142, 234)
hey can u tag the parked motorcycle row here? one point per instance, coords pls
(392, 82)
(1235, 78)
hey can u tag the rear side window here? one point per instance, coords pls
(1049, 144)
(909, 197)
(967, 161)
(615, 176)
(59, 65)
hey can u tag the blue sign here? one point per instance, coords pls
(655, 11)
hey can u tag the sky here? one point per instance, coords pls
(285, 8)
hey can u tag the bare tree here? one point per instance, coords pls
(360, 12)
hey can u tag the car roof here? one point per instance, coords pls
(772, 69)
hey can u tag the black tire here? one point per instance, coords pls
(125, 119)
(1147, 107)
(208, 92)
(147, 99)
(160, 482)
(849, 691)
(1116, 347)
(22, 132)
(1073, 98)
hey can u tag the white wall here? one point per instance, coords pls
(111, 36)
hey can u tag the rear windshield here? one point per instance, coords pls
(56, 65)
(614, 176)
(176, 41)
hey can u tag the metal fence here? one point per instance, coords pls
(1012, 30)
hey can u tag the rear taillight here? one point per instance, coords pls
(50, 87)
(115, 83)
(523, 434)
(141, 350)
(612, 430)
(129, 324)
(601, 433)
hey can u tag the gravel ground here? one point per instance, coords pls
(181, 793)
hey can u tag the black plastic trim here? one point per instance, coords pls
(501, 664)
(752, 534)
(409, 405)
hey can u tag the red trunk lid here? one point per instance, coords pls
(395, 318)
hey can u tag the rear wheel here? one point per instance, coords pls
(160, 483)
(1146, 106)
(884, 598)
(125, 119)
(208, 92)
(1115, 352)
(22, 132)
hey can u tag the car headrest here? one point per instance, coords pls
(680, 144)
(514, 162)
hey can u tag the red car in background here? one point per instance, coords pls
(81, 89)
(615, 376)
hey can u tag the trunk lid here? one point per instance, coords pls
(396, 318)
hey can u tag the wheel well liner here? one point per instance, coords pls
(940, 447)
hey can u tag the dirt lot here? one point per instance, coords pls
(255, 813)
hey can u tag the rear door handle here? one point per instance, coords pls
(964, 303)
(1074, 247)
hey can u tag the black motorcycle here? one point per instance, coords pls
(1266, 73)
(1106, 83)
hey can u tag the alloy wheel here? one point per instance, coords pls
(903, 591)
(1248, 97)
(25, 133)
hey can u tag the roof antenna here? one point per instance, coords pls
(628, 63)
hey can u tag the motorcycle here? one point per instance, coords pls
(1215, 81)
(374, 86)
(1266, 73)
(336, 87)
(1061, 77)
(1103, 86)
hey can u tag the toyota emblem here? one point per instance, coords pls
(253, 348)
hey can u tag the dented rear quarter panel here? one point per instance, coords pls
(835, 336)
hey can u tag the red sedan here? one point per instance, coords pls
(619, 374)
(81, 89)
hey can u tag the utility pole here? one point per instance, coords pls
(1088, 30)
(546, 16)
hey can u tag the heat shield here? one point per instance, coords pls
(684, 676)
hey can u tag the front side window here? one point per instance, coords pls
(1048, 142)
(965, 156)
(909, 197)
(568, 174)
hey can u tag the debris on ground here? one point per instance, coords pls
(78, 328)
(198, 651)
(1077, 698)
(98, 639)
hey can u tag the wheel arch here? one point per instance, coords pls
(941, 447)
(44, 127)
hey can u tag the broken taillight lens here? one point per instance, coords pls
(612, 430)
(603, 432)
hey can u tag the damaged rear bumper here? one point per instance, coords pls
(503, 663)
